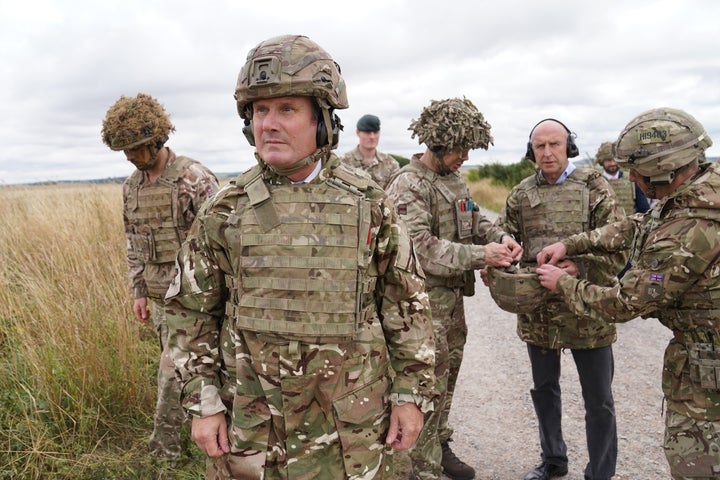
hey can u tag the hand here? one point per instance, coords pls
(497, 255)
(484, 276)
(210, 434)
(549, 275)
(406, 421)
(551, 254)
(515, 249)
(140, 309)
(569, 267)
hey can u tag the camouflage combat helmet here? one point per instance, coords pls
(605, 152)
(134, 121)
(659, 141)
(290, 65)
(452, 124)
(516, 290)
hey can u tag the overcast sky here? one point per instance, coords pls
(593, 65)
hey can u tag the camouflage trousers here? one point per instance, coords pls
(169, 415)
(692, 447)
(448, 314)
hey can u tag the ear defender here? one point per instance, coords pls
(571, 148)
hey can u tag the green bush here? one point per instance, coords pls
(506, 175)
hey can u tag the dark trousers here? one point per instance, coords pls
(595, 368)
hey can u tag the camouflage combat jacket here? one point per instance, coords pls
(537, 214)
(675, 277)
(157, 217)
(381, 168)
(446, 226)
(301, 309)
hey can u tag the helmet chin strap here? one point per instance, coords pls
(319, 155)
(440, 166)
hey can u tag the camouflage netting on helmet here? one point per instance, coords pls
(660, 141)
(290, 65)
(605, 152)
(133, 121)
(452, 124)
(518, 290)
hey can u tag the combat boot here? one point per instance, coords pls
(453, 467)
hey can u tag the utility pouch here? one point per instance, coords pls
(704, 361)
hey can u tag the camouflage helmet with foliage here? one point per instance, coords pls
(516, 290)
(605, 152)
(290, 65)
(659, 141)
(452, 124)
(134, 121)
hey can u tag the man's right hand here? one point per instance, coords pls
(497, 255)
(210, 434)
(551, 254)
(140, 309)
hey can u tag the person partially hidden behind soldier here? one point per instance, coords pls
(452, 239)
(628, 194)
(675, 260)
(366, 156)
(561, 199)
(160, 201)
(299, 320)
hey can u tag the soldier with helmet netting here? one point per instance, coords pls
(673, 276)
(299, 317)
(160, 201)
(559, 200)
(452, 239)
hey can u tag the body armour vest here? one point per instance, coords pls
(550, 213)
(452, 218)
(624, 194)
(307, 274)
(156, 228)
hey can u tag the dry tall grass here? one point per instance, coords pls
(77, 387)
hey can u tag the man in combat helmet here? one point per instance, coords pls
(160, 201)
(561, 199)
(452, 239)
(673, 276)
(299, 317)
(627, 193)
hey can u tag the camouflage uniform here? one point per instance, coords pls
(538, 213)
(300, 316)
(380, 168)
(675, 260)
(160, 200)
(157, 217)
(448, 232)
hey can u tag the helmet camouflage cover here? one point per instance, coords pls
(516, 290)
(452, 124)
(659, 141)
(134, 121)
(605, 152)
(290, 65)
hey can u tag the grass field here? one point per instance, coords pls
(78, 389)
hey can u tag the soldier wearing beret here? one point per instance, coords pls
(366, 156)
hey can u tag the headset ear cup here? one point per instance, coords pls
(321, 136)
(529, 154)
(247, 130)
(572, 148)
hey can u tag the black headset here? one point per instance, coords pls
(571, 149)
(321, 136)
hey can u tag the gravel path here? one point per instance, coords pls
(494, 420)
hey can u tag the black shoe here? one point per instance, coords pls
(546, 471)
(453, 467)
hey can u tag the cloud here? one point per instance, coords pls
(592, 65)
